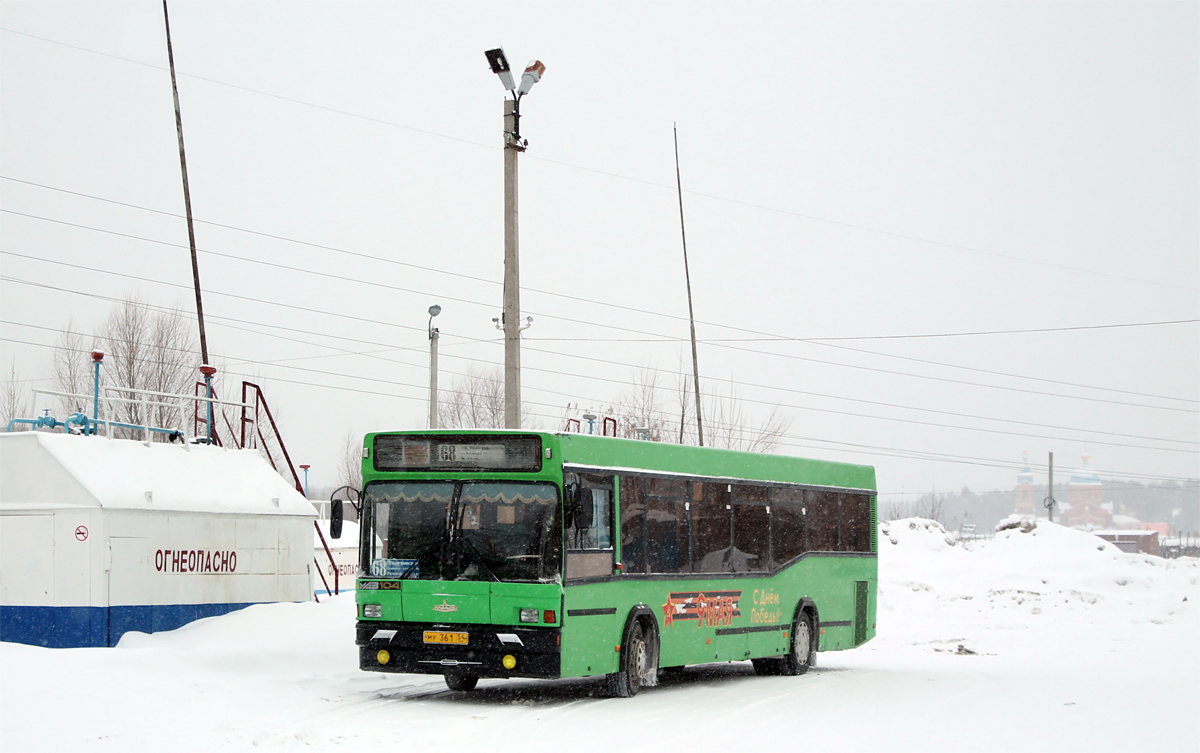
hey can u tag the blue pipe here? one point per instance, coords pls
(90, 426)
(37, 423)
(96, 393)
(208, 382)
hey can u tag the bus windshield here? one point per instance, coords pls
(466, 530)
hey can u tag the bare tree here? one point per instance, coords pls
(475, 400)
(729, 427)
(350, 467)
(144, 349)
(14, 399)
(685, 407)
(641, 407)
(72, 369)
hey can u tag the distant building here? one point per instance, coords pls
(1026, 500)
(1085, 500)
(1131, 542)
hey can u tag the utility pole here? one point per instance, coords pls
(1050, 496)
(187, 195)
(687, 276)
(512, 275)
(513, 145)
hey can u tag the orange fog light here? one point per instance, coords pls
(549, 616)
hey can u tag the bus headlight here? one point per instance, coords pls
(529, 615)
(372, 610)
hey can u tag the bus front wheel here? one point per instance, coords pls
(461, 682)
(637, 665)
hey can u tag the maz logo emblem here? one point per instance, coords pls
(444, 607)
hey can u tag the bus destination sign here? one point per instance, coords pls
(457, 452)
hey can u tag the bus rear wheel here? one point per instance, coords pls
(461, 682)
(637, 664)
(804, 645)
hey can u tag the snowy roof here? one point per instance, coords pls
(43, 470)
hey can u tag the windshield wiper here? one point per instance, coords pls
(478, 556)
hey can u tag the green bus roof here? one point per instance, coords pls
(608, 452)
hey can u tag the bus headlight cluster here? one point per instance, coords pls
(529, 615)
(372, 610)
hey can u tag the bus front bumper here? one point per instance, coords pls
(534, 652)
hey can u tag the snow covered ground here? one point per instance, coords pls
(1067, 645)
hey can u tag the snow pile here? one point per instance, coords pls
(1048, 572)
(1045, 640)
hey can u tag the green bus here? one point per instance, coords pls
(500, 554)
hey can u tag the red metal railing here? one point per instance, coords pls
(260, 407)
(336, 585)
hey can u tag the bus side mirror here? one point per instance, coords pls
(570, 500)
(335, 519)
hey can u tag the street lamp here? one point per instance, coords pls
(434, 310)
(305, 469)
(513, 145)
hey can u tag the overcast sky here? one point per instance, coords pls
(863, 171)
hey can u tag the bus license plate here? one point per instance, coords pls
(459, 639)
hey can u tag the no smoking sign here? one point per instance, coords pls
(81, 533)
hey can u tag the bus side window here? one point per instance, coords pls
(822, 520)
(666, 525)
(855, 523)
(751, 529)
(787, 526)
(633, 525)
(712, 534)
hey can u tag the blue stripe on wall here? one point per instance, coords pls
(74, 627)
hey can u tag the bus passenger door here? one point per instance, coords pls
(589, 606)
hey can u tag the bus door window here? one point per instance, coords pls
(712, 532)
(633, 524)
(822, 520)
(588, 510)
(787, 525)
(751, 529)
(854, 523)
(666, 525)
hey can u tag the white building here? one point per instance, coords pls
(102, 536)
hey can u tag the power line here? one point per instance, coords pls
(715, 197)
(549, 316)
(813, 408)
(794, 407)
(766, 337)
(856, 447)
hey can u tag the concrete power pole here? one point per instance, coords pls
(1050, 494)
(512, 276)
